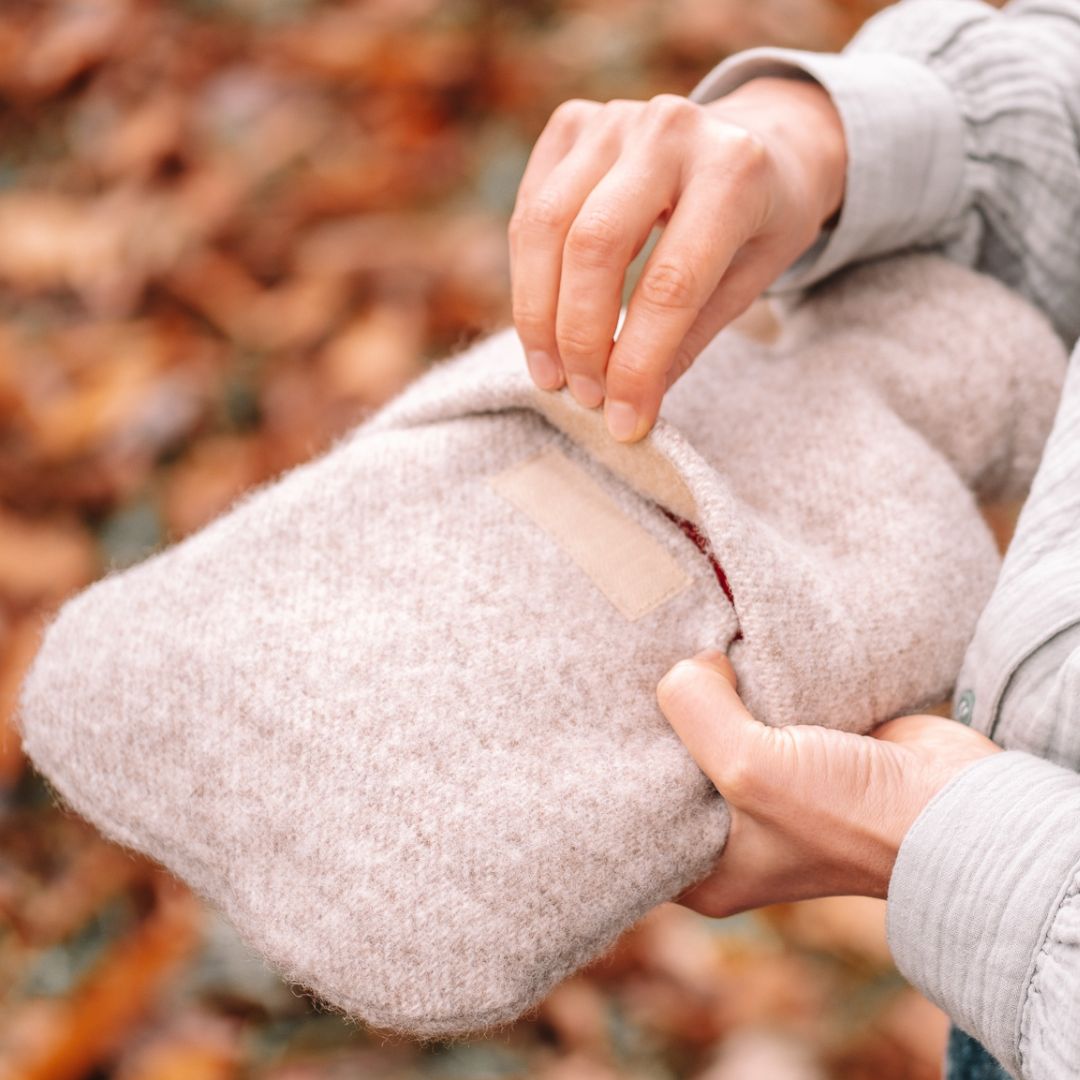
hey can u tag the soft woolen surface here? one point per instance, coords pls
(378, 717)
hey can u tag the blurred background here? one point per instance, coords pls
(229, 229)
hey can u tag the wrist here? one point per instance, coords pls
(873, 837)
(797, 118)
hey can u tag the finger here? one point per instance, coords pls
(612, 226)
(909, 728)
(706, 230)
(751, 272)
(939, 738)
(701, 703)
(758, 867)
(538, 229)
(554, 143)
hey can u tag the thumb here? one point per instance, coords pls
(699, 699)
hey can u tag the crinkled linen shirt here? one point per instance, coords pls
(963, 135)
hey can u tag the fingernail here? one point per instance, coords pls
(622, 420)
(586, 389)
(545, 371)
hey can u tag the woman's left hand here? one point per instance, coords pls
(814, 811)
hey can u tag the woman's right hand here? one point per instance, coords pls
(742, 186)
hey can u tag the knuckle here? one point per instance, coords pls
(544, 211)
(682, 363)
(741, 781)
(668, 285)
(747, 152)
(575, 342)
(672, 109)
(630, 378)
(527, 316)
(574, 110)
(596, 238)
(688, 351)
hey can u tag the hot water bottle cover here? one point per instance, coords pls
(395, 713)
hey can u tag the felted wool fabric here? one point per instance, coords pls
(395, 713)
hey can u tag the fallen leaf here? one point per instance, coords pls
(67, 1038)
(43, 561)
(19, 644)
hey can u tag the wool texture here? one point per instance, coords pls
(392, 717)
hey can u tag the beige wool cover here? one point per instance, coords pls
(395, 713)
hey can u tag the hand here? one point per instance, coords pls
(742, 185)
(814, 812)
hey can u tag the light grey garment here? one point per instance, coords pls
(984, 902)
(963, 133)
(961, 124)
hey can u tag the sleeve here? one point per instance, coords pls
(984, 910)
(963, 133)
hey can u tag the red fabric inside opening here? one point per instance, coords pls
(692, 531)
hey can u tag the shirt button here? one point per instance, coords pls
(965, 706)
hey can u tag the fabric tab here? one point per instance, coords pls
(625, 562)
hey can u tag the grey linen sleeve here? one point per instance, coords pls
(963, 133)
(984, 900)
(984, 909)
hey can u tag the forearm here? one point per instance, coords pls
(984, 910)
(962, 128)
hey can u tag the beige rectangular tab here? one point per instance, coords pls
(629, 566)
